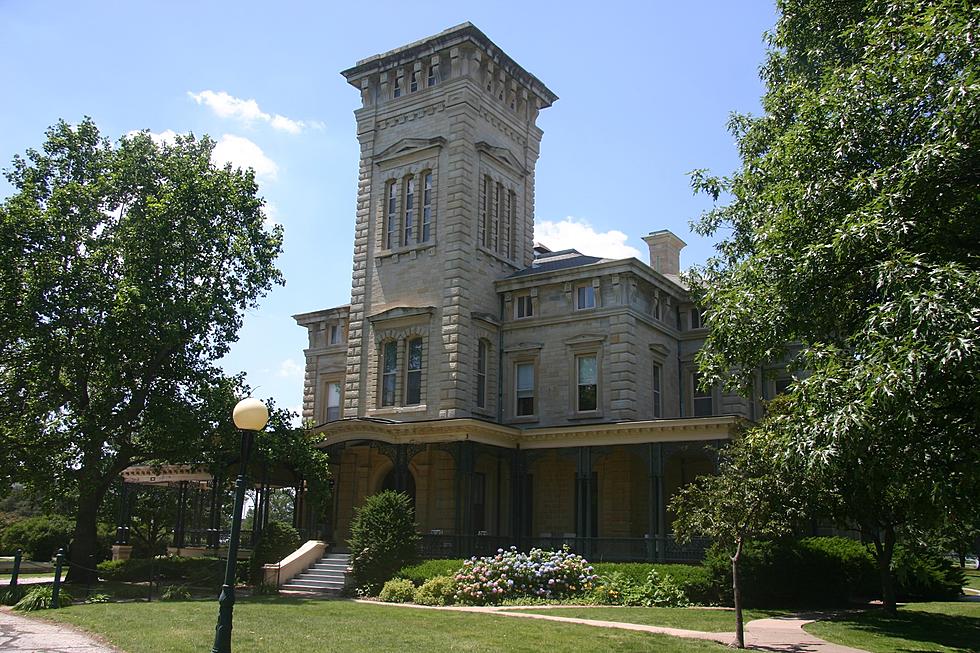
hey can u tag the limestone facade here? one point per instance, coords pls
(514, 391)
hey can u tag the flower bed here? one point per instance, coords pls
(511, 574)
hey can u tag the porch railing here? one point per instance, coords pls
(595, 549)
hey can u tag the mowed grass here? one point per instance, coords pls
(287, 625)
(942, 627)
(972, 577)
(706, 620)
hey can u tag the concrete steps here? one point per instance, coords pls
(328, 575)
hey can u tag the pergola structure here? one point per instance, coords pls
(200, 527)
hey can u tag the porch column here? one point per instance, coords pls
(583, 500)
(181, 514)
(464, 495)
(658, 510)
(401, 468)
(518, 483)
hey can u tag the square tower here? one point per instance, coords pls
(445, 206)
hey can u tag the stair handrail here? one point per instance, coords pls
(294, 564)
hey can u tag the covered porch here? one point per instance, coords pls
(601, 489)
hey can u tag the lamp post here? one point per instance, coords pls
(250, 415)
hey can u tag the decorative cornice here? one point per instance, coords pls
(502, 156)
(408, 147)
(508, 437)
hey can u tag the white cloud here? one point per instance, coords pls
(290, 369)
(166, 137)
(576, 233)
(248, 111)
(243, 153)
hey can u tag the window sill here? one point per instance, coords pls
(503, 259)
(411, 251)
(586, 414)
(524, 419)
(396, 410)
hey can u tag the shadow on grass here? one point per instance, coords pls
(928, 628)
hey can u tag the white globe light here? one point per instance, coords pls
(250, 414)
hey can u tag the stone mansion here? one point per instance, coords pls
(519, 395)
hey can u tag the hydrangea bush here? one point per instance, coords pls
(512, 574)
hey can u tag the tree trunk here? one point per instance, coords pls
(85, 543)
(737, 594)
(884, 550)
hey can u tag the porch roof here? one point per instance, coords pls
(580, 435)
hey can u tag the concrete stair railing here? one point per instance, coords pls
(328, 575)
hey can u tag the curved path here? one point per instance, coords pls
(23, 635)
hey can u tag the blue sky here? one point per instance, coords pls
(645, 92)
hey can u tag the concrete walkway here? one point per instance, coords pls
(22, 635)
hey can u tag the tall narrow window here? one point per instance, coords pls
(414, 81)
(525, 389)
(585, 296)
(703, 404)
(512, 217)
(336, 334)
(399, 80)
(487, 193)
(481, 374)
(523, 307)
(695, 318)
(333, 401)
(587, 396)
(409, 209)
(495, 220)
(413, 380)
(391, 217)
(426, 207)
(389, 372)
(505, 224)
(433, 78)
(658, 400)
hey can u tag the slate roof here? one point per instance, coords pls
(561, 260)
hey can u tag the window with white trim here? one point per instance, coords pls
(523, 306)
(696, 319)
(409, 205)
(389, 372)
(433, 77)
(414, 81)
(658, 397)
(399, 80)
(584, 296)
(333, 400)
(702, 400)
(336, 334)
(413, 376)
(482, 354)
(391, 216)
(426, 233)
(587, 382)
(524, 389)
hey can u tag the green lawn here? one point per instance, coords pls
(5, 578)
(286, 625)
(932, 627)
(712, 621)
(972, 578)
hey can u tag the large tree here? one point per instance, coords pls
(124, 273)
(851, 250)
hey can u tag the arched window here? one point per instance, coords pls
(409, 210)
(391, 216)
(426, 207)
(413, 377)
(389, 372)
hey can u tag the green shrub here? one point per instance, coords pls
(397, 590)
(40, 537)
(925, 576)
(662, 591)
(190, 571)
(10, 595)
(277, 541)
(383, 539)
(438, 590)
(175, 593)
(511, 574)
(99, 598)
(429, 569)
(39, 598)
(622, 588)
(693, 580)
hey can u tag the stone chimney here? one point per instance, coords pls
(665, 251)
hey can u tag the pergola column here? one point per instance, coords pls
(181, 527)
(584, 491)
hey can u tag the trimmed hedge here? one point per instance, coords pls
(429, 569)
(192, 571)
(827, 571)
(693, 580)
